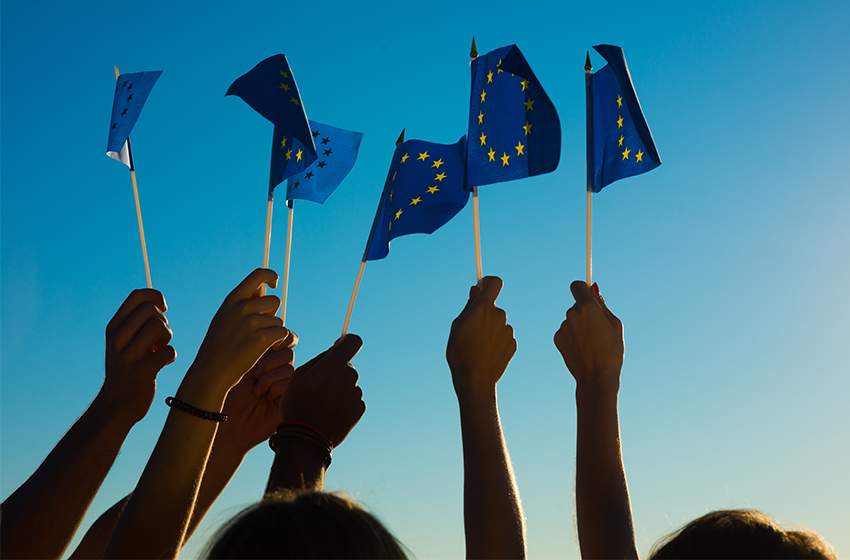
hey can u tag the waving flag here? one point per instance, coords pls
(270, 89)
(337, 151)
(619, 141)
(425, 188)
(131, 92)
(514, 131)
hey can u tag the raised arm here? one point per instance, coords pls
(480, 347)
(155, 521)
(320, 406)
(252, 409)
(591, 342)
(41, 517)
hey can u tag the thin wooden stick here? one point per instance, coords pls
(478, 268)
(138, 206)
(353, 297)
(290, 204)
(268, 238)
(589, 229)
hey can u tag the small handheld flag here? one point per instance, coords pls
(337, 151)
(514, 130)
(619, 142)
(425, 188)
(270, 89)
(131, 92)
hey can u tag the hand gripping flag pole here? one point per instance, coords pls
(123, 123)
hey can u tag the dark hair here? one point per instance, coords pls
(305, 524)
(740, 533)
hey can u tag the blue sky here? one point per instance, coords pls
(727, 264)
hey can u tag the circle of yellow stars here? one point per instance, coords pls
(492, 155)
(434, 189)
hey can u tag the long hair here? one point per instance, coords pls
(304, 524)
(740, 533)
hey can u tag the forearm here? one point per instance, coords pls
(603, 509)
(493, 518)
(155, 521)
(223, 462)
(94, 542)
(41, 517)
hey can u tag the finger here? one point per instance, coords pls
(253, 281)
(306, 366)
(144, 313)
(347, 348)
(267, 305)
(158, 360)
(289, 342)
(271, 377)
(491, 287)
(153, 333)
(133, 301)
(274, 359)
(276, 391)
(474, 291)
(601, 301)
(581, 292)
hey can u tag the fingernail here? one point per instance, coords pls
(596, 288)
(472, 292)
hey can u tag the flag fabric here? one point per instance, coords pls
(621, 143)
(270, 89)
(336, 149)
(425, 188)
(131, 92)
(514, 130)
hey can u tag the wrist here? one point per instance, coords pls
(104, 413)
(201, 389)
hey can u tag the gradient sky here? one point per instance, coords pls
(728, 264)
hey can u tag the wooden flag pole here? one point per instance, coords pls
(479, 270)
(138, 206)
(268, 237)
(291, 205)
(398, 143)
(353, 296)
(588, 88)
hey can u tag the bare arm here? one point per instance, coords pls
(41, 517)
(481, 345)
(155, 522)
(591, 342)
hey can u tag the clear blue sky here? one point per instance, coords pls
(728, 264)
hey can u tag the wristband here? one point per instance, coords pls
(189, 409)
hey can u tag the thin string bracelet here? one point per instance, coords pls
(308, 426)
(189, 409)
(301, 434)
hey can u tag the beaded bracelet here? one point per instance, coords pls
(189, 409)
(302, 434)
(308, 426)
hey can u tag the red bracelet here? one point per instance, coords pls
(305, 425)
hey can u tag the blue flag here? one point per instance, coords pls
(337, 150)
(131, 92)
(514, 131)
(619, 141)
(425, 188)
(269, 88)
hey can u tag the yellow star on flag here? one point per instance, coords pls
(284, 87)
(298, 155)
(283, 143)
(433, 189)
(288, 155)
(437, 163)
(440, 177)
(492, 154)
(284, 74)
(620, 145)
(490, 77)
(404, 158)
(626, 154)
(527, 128)
(519, 147)
(483, 95)
(529, 105)
(480, 117)
(423, 157)
(293, 100)
(483, 138)
(524, 84)
(620, 122)
(416, 201)
(505, 158)
(619, 101)
(398, 214)
(639, 155)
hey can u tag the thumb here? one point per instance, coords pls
(491, 287)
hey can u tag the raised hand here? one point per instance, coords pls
(253, 405)
(137, 349)
(481, 343)
(241, 331)
(591, 339)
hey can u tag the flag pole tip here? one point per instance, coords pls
(400, 140)
(473, 51)
(587, 66)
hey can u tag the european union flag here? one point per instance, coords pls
(514, 131)
(131, 92)
(270, 89)
(337, 150)
(425, 188)
(619, 144)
